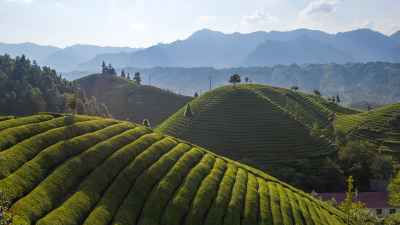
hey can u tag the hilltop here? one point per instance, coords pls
(372, 82)
(128, 100)
(264, 126)
(380, 126)
(90, 170)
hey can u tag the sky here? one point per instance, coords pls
(142, 23)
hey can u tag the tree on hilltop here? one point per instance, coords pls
(123, 74)
(137, 77)
(108, 70)
(295, 88)
(234, 79)
(317, 94)
(196, 95)
(337, 98)
(246, 79)
(104, 68)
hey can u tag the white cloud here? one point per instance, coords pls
(387, 27)
(22, 1)
(321, 6)
(259, 16)
(207, 18)
(138, 26)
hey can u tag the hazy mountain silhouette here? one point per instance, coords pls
(212, 48)
(301, 50)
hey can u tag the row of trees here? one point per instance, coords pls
(136, 78)
(111, 71)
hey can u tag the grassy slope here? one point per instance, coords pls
(372, 126)
(257, 122)
(104, 171)
(126, 99)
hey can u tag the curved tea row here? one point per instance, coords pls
(89, 170)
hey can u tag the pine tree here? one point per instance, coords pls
(188, 111)
(123, 73)
(196, 95)
(337, 98)
(104, 68)
(137, 77)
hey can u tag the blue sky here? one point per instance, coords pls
(142, 23)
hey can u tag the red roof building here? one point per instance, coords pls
(377, 202)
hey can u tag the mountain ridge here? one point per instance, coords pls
(214, 48)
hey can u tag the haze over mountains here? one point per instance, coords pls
(212, 48)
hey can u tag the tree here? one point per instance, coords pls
(337, 98)
(128, 77)
(146, 123)
(349, 204)
(394, 191)
(317, 94)
(333, 99)
(246, 79)
(123, 73)
(104, 68)
(188, 111)
(137, 77)
(234, 79)
(362, 160)
(368, 107)
(196, 95)
(295, 88)
(41, 105)
(73, 103)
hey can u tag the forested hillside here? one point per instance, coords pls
(26, 88)
(90, 170)
(128, 100)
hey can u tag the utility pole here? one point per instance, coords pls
(209, 77)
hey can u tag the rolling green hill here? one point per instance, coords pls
(268, 125)
(90, 170)
(127, 100)
(380, 126)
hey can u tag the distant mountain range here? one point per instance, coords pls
(212, 48)
(63, 60)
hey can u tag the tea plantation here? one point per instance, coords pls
(380, 126)
(268, 125)
(127, 100)
(87, 170)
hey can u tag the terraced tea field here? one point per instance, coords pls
(258, 122)
(373, 126)
(89, 170)
(126, 100)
